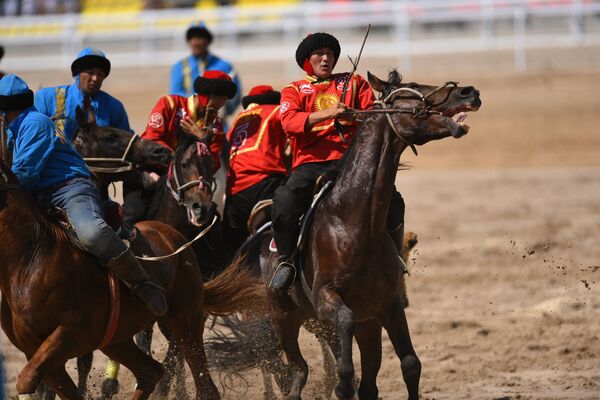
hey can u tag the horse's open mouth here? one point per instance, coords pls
(461, 109)
(462, 128)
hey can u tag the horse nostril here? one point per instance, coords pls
(468, 91)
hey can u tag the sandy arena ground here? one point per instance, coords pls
(505, 284)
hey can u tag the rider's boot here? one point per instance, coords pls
(286, 270)
(129, 270)
(397, 235)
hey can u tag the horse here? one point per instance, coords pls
(183, 200)
(351, 279)
(55, 299)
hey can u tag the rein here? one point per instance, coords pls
(183, 247)
(126, 165)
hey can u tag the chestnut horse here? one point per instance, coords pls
(56, 302)
(351, 276)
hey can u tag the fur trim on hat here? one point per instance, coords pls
(314, 41)
(16, 102)
(218, 87)
(273, 97)
(200, 32)
(90, 61)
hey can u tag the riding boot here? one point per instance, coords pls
(129, 270)
(397, 235)
(286, 270)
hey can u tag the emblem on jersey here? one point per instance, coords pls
(240, 134)
(325, 101)
(60, 135)
(284, 107)
(339, 83)
(306, 88)
(156, 120)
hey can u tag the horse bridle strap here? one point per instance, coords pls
(182, 248)
(127, 165)
(179, 188)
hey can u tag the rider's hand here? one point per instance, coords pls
(341, 111)
(191, 128)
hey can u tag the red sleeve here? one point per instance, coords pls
(365, 97)
(293, 117)
(158, 123)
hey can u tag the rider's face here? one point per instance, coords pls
(199, 46)
(90, 80)
(216, 101)
(321, 61)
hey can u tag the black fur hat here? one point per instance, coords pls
(199, 30)
(263, 94)
(215, 83)
(312, 42)
(15, 95)
(90, 58)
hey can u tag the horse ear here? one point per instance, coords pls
(376, 83)
(80, 118)
(91, 117)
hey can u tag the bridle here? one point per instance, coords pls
(201, 182)
(126, 166)
(423, 111)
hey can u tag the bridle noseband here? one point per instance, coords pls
(424, 111)
(201, 182)
(126, 165)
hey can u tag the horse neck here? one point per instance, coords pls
(366, 181)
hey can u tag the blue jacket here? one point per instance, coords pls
(42, 155)
(184, 72)
(108, 110)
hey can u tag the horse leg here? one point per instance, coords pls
(397, 327)
(146, 370)
(110, 384)
(174, 367)
(188, 331)
(330, 307)
(287, 326)
(50, 355)
(268, 392)
(84, 366)
(368, 337)
(328, 340)
(62, 384)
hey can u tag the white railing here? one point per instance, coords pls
(403, 28)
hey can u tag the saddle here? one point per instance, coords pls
(113, 215)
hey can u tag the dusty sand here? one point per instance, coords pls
(505, 283)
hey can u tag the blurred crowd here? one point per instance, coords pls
(34, 7)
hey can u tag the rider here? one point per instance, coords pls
(308, 110)
(256, 157)
(173, 116)
(90, 69)
(48, 166)
(183, 73)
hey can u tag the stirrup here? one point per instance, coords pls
(283, 264)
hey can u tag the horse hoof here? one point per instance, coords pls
(110, 387)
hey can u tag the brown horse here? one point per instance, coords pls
(56, 302)
(351, 268)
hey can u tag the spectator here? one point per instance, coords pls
(183, 73)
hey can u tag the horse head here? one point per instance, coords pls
(191, 180)
(114, 150)
(430, 112)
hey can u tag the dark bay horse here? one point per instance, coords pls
(56, 302)
(351, 267)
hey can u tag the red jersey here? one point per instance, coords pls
(163, 125)
(301, 98)
(257, 147)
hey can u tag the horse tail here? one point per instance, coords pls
(234, 289)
